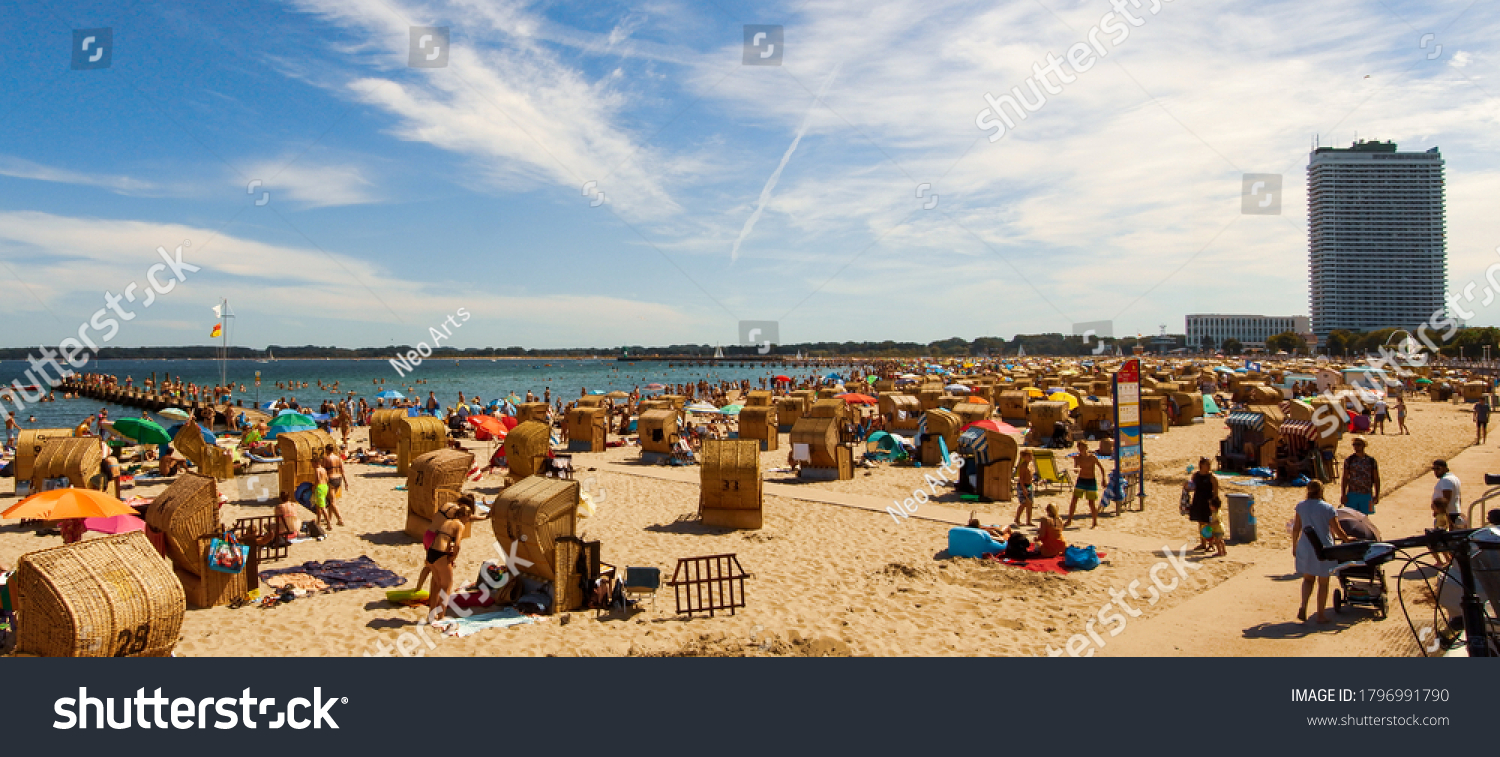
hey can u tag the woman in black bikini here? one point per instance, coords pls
(442, 554)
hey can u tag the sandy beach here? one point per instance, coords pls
(833, 572)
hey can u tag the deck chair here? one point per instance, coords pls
(257, 460)
(640, 582)
(1048, 473)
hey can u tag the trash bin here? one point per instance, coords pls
(1241, 517)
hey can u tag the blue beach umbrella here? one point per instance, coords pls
(390, 394)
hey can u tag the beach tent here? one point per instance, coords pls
(883, 445)
(1209, 406)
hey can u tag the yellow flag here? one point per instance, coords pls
(217, 331)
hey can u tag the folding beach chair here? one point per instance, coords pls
(1048, 473)
(640, 582)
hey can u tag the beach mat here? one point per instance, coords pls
(1038, 564)
(339, 575)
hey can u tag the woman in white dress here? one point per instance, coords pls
(1314, 513)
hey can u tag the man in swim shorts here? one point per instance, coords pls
(320, 497)
(1088, 471)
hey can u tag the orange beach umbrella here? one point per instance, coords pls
(71, 502)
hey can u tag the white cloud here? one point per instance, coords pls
(313, 185)
(25, 169)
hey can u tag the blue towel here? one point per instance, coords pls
(476, 623)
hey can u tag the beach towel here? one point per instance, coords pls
(359, 573)
(476, 623)
(1038, 564)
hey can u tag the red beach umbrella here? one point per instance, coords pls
(854, 398)
(490, 425)
(782, 379)
(992, 425)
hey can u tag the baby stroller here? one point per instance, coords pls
(1363, 584)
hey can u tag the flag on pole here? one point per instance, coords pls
(217, 331)
(218, 313)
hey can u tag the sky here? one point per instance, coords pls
(602, 174)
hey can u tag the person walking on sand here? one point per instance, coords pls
(1322, 518)
(1401, 415)
(1359, 486)
(1088, 471)
(1481, 421)
(1381, 410)
(1203, 486)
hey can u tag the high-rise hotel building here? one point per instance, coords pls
(1376, 249)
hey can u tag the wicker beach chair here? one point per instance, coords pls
(107, 597)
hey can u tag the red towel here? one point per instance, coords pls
(1038, 564)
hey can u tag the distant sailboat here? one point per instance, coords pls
(799, 354)
(1021, 351)
(719, 351)
(270, 358)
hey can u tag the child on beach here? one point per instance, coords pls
(1025, 490)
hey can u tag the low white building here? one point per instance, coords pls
(1251, 331)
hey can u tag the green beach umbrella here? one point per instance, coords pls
(871, 379)
(1424, 381)
(731, 409)
(293, 419)
(141, 430)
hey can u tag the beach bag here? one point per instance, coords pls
(1185, 502)
(1080, 558)
(226, 554)
(1017, 547)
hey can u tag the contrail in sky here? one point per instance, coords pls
(765, 193)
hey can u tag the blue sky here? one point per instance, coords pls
(396, 195)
